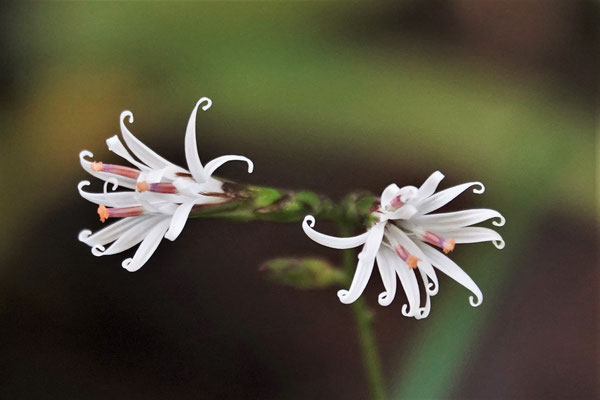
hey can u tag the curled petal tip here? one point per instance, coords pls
(98, 250)
(85, 153)
(501, 221)
(127, 265)
(84, 235)
(81, 184)
(343, 296)
(499, 244)
(126, 114)
(475, 303)
(114, 182)
(432, 289)
(250, 166)
(384, 299)
(405, 310)
(309, 220)
(481, 188)
(207, 105)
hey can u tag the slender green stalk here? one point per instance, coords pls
(261, 203)
(365, 325)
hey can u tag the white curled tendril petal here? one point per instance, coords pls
(442, 198)
(191, 148)
(108, 234)
(179, 219)
(139, 149)
(114, 144)
(126, 240)
(147, 248)
(213, 165)
(430, 185)
(449, 267)
(458, 219)
(388, 276)
(366, 259)
(118, 199)
(409, 283)
(331, 241)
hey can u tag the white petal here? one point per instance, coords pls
(459, 219)
(389, 193)
(405, 212)
(109, 233)
(155, 175)
(331, 241)
(191, 148)
(212, 166)
(115, 145)
(449, 267)
(128, 238)
(474, 235)
(118, 199)
(388, 276)
(147, 247)
(105, 176)
(392, 191)
(424, 311)
(412, 248)
(366, 259)
(179, 219)
(408, 281)
(141, 151)
(430, 185)
(442, 198)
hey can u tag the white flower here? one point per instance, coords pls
(402, 238)
(162, 194)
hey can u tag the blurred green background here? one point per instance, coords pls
(331, 97)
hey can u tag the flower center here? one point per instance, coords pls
(162, 187)
(115, 169)
(408, 258)
(447, 245)
(106, 213)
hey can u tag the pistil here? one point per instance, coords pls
(161, 187)
(115, 169)
(447, 245)
(106, 213)
(408, 258)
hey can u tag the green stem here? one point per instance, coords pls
(365, 325)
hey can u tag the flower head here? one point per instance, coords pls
(404, 238)
(161, 194)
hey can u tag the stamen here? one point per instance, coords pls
(106, 213)
(447, 245)
(408, 258)
(162, 187)
(115, 169)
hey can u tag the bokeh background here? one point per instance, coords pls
(331, 97)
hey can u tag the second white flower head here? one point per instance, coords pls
(162, 196)
(401, 242)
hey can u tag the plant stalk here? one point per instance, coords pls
(365, 325)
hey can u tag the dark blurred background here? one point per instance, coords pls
(331, 97)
